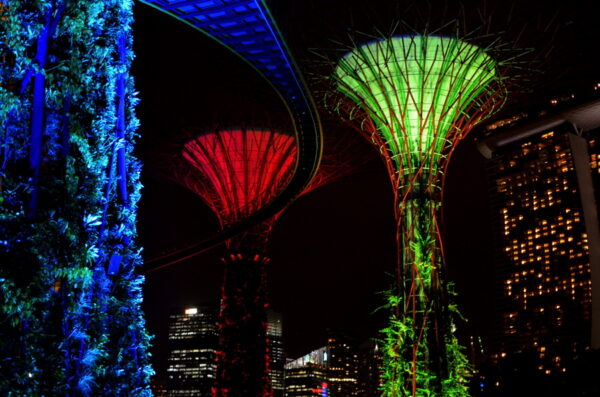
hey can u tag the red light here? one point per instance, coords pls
(241, 170)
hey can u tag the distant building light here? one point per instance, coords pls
(191, 310)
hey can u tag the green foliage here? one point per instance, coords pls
(68, 327)
(401, 365)
(422, 357)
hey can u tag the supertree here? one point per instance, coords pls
(415, 97)
(237, 171)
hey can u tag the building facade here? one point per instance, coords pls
(331, 370)
(370, 369)
(193, 342)
(342, 367)
(546, 246)
(307, 376)
(192, 351)
(276, 353)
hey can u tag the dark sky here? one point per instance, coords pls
(332, 248)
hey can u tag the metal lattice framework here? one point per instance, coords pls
(414, 97)
(247, 28)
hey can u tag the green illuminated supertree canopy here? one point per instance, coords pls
(414, 97)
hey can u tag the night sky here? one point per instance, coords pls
(332, 248)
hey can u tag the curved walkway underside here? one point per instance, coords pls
(247, 28)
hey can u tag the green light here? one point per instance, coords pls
(415, 89)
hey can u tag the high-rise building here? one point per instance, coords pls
(593, 139)
(276, 353)
(547, 244)
(306, 381)
(193, 342)
(370, 360)
(331, 370)
(192, 351)
(307, 376)
(342, 369)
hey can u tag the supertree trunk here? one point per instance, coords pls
(420, 308)
(243, 357)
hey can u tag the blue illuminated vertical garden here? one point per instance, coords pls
(71, 321)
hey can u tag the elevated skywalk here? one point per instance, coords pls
(247, 28)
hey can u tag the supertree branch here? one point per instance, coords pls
(237, 170)
(414, 97)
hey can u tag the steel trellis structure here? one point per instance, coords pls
(415, 97)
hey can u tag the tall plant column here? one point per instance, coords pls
(70, 292)
(416, 343)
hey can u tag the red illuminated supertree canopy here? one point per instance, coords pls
(236, 172)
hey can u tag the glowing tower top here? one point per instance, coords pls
(416, 96)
